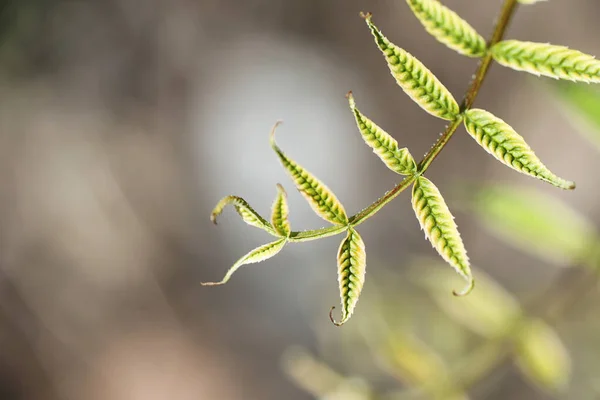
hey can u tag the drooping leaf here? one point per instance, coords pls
(557, 62)
(542, 357)
(320, 197)
(248, 214)
(384, 145)
(438, 224)
(489, 311)
(536, 223)
(415, 79)
(582, 105)
(508, 147)
(280, 212)
(257, 255)
(352, 262)
(449, 28)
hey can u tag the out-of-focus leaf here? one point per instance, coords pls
(542, 357)
(582, 104)
(535, 223)
(320, 380)
(489, 311)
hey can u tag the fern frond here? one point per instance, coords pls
(448, 27)
(557, 62)
(508, 147)
(415, 79)
(438, 224)
(384, 145)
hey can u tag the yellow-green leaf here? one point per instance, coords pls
(248, 214)
(352, 262)
(508, 147)
(320, 197)
(257, 255)
(384, 145)
(542, 357)
(448, 27)
(581, 103)
(536, 223)
(280, 212)
(557, 62)
(415, 79)
(438, 224)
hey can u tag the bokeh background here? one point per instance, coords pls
(122, 123)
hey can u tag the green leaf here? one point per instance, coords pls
(320, 197)
(352, 262)
(385, 146)
(557, 62)
(280, 212)
(449, 28)
(257, 255)
(247, 213)
(542, 357)
(582, 105)
(508, 147)
(536, 223)
(415, 79)
(441, 230)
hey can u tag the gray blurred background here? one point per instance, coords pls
(123, 122)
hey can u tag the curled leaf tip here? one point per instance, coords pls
(466, 290)
(273, 129)
(571, 185)
(333, 321)
(365, 15)
(213, 218)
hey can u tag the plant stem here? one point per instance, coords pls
(506, 13)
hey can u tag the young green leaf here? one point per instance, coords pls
(449, 28)
(508, 147)
(441, 230)
(280, 212)
(557, 62)
(247, 213)
(385, 146)
(415, 79)
(257, 255)
(542, 357)
(352, 261)
(320, 197)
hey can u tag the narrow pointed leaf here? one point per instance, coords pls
(352, 262)
(259, 254)
(508, 147)
(415, 79)
(449, 28)
(248, 214)
(542, 357)
(438, 224)
(384, 145)
(320, 197)
(557, 62)
(280, 212)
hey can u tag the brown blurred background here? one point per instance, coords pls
(122, 123)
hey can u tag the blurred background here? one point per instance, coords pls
(123, 122)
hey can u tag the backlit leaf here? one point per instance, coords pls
(449, 28)
(248, 214)
(280, 212)
(415, 79)
(352, 262)
(542, 357)
(320, 197)
(257, 255)
(384, 145)
(438, 224)
(557, 62)
(582, 105)
(508, 147)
